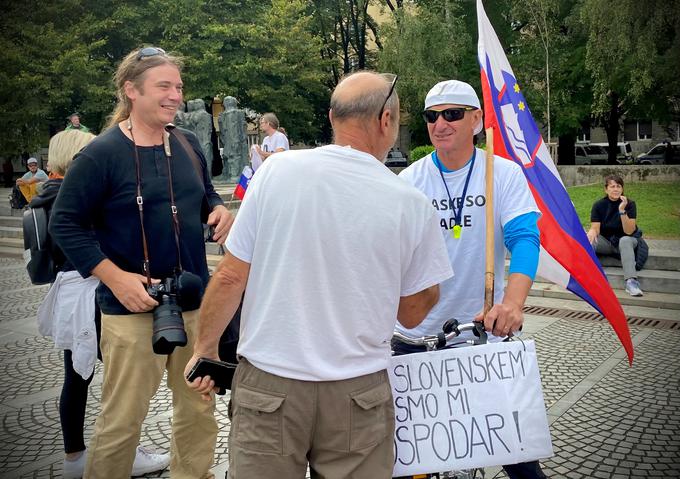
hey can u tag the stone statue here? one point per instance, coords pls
(232, 123)
(179, 116)
(198, 120)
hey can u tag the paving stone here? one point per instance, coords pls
(626, 424)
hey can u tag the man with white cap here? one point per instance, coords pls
(28, 184)
(453, 179)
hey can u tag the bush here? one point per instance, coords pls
(419, 151)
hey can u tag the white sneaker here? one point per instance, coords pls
(147, 461)
(633, 287)
(74, 469)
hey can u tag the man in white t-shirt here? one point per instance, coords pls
(274, 141)
(27, 186)
(453, 179)
(331, 248)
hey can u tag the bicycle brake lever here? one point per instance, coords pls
(480, 333)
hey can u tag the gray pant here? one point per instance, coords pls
(626, 249)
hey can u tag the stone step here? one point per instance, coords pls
(12, 243)
(213, 260)
(5, 210)
(11, 232)
(11, 221)
(660, 260)
(650, 299)
(657, 281)
(11, 252)
(653, 281)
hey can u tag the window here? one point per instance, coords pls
(634, 130)
(630, 130)
(595, 150)
(644, 129)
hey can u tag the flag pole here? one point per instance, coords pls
(489, 274)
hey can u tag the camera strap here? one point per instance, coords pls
(140, 202)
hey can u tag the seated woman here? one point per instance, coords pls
(613, 230)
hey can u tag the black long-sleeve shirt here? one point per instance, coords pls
(99, 193)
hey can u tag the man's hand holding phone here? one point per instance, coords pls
(206, 375)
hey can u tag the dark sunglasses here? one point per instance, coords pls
(450, 114)
(382, 108)
(150, 52)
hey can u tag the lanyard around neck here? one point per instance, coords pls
(457, 212)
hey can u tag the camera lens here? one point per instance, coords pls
(168, 326)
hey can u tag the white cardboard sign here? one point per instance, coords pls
(468, 407)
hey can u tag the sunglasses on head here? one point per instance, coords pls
(450, 114)
(150, 52)
(389, 94)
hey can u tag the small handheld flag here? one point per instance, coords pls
(243, 181)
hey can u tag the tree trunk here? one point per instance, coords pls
(612, 127)
(565, 149)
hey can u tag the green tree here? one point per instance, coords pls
(60, 57)
(634, 60)
(423, 50)
(284, 72)
(48, 72)
(347, 32)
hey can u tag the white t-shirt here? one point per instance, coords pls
(333, 239)
(462, 297)
(275, 141)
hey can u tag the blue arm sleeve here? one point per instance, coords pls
(522, 239)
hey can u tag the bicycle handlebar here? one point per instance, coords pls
(451, 330)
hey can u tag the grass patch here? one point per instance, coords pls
(658, 206)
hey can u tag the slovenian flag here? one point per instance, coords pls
(242, 186)
(566, 257)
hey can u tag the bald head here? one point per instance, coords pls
(361, 95)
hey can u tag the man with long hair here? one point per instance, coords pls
(131, 213)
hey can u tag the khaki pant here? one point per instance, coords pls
(29, 191)
(344, 429)
(132, 374)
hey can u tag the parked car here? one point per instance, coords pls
(590, 155)
(624, 152)
(659, 155)
(396, 158)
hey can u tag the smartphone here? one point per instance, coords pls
(220, 372)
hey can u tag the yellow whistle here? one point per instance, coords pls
(455, 232)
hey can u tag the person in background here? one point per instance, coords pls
(74, 123)
(274, 141)
(613, 230)
(27, 186)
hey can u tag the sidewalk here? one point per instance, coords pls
(607, 420)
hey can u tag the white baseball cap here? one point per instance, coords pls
(31, 160)
(456, 93)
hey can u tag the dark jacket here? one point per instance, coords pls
(641, 251)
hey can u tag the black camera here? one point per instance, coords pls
(183, 291)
